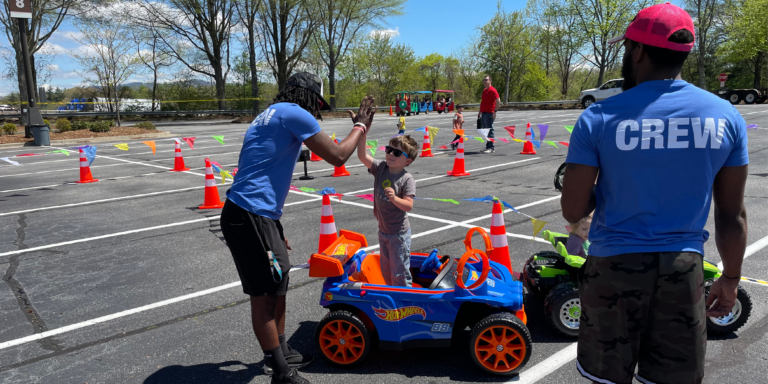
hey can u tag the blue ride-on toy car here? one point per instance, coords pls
(448, 295)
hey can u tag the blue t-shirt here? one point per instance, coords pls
(659, 147)
(271, 147)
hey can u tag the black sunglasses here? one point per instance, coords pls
(396, 152)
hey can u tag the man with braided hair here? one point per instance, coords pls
(250, 220)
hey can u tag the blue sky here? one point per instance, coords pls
(426, 27)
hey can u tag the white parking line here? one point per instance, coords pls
(544, 368)
(751, 249)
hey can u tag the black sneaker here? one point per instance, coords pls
(292, 378)
(294, 359)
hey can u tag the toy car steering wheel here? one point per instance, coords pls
(486, 238)
(463, 262)
(430, 263)
(444, 270)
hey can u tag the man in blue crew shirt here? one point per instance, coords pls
(660, 153)
(250, 220)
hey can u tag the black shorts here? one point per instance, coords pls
(249, 240)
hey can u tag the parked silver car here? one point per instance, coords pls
(610, 88)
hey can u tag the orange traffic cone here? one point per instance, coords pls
(178, 165)
(315, 157)
(458, 162)
(390, 110)
(340, 171)
(212, 200)
(500, 251)
(528, 146)
(327, 226)
(426, 149)
(85, 170)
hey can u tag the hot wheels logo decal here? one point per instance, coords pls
(399, 313)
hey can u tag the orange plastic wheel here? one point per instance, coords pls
(342, 339)
(500, 344)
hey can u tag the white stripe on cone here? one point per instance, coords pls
(497, 220)
(499, 241)
(459, 155)
(328, 229)
(210, 182)
(327, 211)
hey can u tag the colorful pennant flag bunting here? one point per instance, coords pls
(753, 126)
(564, 143)
(504, 140)
(191, 140)
(543, 128)
(367, 196)
(480, 139)
(511, 130)
(372, 146)
(90, 154)
(568, 128)
(552, 143)
(64, 151)
(220, 139)
(123, 146)
(537, 226)
(432, 133)
(150, 144)
(484, 132)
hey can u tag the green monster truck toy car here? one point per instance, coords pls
(553, 275)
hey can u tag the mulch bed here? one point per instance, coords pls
(81, 134)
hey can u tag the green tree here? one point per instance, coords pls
(341, 22)
(598, 22)
(391, 66)
(431, 71)
(505, 44)
(706, 16)
(746, 27)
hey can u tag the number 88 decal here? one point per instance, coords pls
(20, 3)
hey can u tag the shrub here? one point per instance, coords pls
(80, 125)
(101, 126)
(9, 128)
(63, 125)
(145, 125)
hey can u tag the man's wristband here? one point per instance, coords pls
(732, 278)
(359, 128)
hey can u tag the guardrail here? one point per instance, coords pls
(244, 111)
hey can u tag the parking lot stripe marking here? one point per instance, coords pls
(544, 368)
(116, 234)
(441, 176)
(751, 249)
(40, 187)
(754, 281)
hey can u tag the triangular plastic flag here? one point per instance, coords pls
(422, 129)
(191, 140)
(537, 226)
(225, 175)
(234, 172)
(90, 154)
(533, 134)
(64, 151)
(552, 143)
(382, 148)
(367, 196)
(568, 128)
(536, 143)
(447, 201)
(480, 139)
(220, 139)
(504, 140)
(459, 132)
(7, 160)
(327, 191)
(753, 126)
(123, 146)
(372, 146)
(543, 128)
(443, 147)
(150, 144)
(484, 132)
(307, 189)
(511, 130)
(29, 154)
(216, 168)
(333, 136)
(508, 205)
(486, 199)
(432, 133)
(564, 143)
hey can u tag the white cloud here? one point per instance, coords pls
(386, 32)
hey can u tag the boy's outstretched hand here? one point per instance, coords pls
(365, 113)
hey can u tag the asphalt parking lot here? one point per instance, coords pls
(127, 281)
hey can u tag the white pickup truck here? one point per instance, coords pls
(610, 88)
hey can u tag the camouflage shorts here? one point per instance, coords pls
(645, 310)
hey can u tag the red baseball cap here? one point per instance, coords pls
(654, 25)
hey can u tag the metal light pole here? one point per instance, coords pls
(27, 74)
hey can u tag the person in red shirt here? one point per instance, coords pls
(488, 106)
